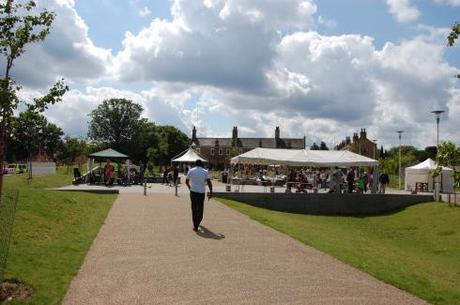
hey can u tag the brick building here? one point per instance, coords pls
(360, 145)
(219, 151)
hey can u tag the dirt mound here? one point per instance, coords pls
(14, 290)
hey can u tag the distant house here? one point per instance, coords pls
(219, 151)
(360, 145)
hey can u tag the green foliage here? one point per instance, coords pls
(52, 233)
(452, 38)
(73, 148)
(19, 27)
(115, 123)
(314, 146)
(448, 155)
(31, 133)
(410, 155)
(415, 250)
(323, 146)
(171, 141)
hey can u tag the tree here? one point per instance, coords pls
(146, 138)
(314, 147)
(448, 155)
(115, 123)
(323, 146)
(172, 141)
(73, 148)
(33, 134)
(453, 36)
(19, 27)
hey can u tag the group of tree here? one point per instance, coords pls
(117, 123)
(322, 146)
(389, 159)
(31, 134)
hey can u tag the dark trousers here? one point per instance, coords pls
(350, 187)
(197, 207)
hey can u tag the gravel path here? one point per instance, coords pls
(147, 253)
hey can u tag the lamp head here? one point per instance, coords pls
(438, 113)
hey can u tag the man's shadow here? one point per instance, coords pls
(205, 233)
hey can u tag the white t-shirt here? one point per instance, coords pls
(198, 177)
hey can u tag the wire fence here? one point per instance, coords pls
(8, 204)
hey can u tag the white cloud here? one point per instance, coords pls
(66, 52)
(403, 10)
(449, 2)
(256, 65)
(220, 43)
(144, 12)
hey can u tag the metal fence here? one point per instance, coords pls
(8, 204)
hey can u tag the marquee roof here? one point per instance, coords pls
(426, 165)
(189, 156)
(109, 154)
(303, 157)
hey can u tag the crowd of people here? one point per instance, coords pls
(338, 180)
(124, 175)
(170, 175)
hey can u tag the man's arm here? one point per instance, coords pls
(210, 187)
(187, 182)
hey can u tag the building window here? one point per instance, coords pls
(220, 151)
(227, 151)
(212, 151)
(240, 150)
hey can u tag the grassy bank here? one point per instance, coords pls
(52, 233)
(415, 250)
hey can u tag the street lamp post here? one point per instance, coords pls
(375, 146)
(438, 117)
(399, 176)
(438, 185)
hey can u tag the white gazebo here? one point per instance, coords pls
(421, 173)
(188, 156)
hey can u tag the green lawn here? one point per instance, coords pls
(52, 233)
(417, 249)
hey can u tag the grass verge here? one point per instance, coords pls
(416, 249)
(52, 234)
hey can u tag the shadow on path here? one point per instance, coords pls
(205, 233)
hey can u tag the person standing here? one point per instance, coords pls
(351, 180)
(108, 173)
(196, 181)
(384, 181)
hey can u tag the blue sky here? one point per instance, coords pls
(323, 69)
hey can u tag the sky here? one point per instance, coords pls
(319, 69)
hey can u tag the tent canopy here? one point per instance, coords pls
(421, 173)
(426, 165)
(109, 153)
(302, 157)
(189, 156)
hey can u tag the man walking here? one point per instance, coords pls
(196, 181)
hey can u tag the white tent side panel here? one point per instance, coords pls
(422, 173)
(412, 177)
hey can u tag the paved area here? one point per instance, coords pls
(147, 253)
